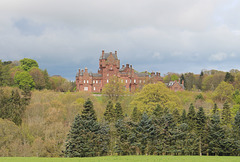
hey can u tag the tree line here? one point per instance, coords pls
(161, 132)
(27, 75)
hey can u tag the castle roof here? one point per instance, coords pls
(141, 74)
(106, 55)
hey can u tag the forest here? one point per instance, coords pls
(42, 116)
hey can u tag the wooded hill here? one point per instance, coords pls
(154, 120)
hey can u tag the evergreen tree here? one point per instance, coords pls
(158, 111)
(118, 111)
(215, 109)
(123, 145)
(145, 135)
(200, 127)
(135, 115)
(226, 114)
(236, 133)
(229, 78)
(109, 112)
(86, 137)
(184, 116)
(215, 136)
(191, 116)
(88, 112)
(176, 116)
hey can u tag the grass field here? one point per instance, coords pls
(126, 158)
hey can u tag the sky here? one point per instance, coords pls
(155, 35)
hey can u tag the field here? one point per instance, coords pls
(126, 158)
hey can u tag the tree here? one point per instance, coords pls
(158, 111)
(236, 132)
(229, 78)
(24, 80)
(189, 81)
(176, 116)
(215, 136)
(109, 114)
(200, 127)
(191, 116)
(88, 112)
(145, 135)
(226, 114)
(114, 90)
(174, 77)
(215, 109)
(184, 116)
(87, 137)
(118, 111)
(153, 94)
(27, 64)
(135, 116)
(224, 92)
(12, 106)
(38, 78)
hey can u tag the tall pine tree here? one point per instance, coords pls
(109, 112)
(200, 127)
(118, 111)
(226, 114)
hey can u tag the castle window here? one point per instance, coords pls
(107, 74)
(93, 81)
(140, 81)
(94, 88)
(122, 81)
(99, 81)
(143, 81)
(85, 88)
(126, 80)
(134, 80)
(107, 80)
(87, 81)
(96, 81)
(84, 81)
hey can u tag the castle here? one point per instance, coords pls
(109, 66)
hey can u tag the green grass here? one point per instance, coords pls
(127, 159)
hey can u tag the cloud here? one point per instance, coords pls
(159, 35)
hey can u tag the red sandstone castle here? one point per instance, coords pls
(109, 66)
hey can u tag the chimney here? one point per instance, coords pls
(157, 73)
(82, 70)
(102, 53)
(146, 71)
(127, 65)
(131, 66)
(79, 70)
(116, 53)
(86, 70)
(123, 66)
(110, 53)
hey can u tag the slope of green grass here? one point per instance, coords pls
(126, 158)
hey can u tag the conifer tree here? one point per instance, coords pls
(86, 137)
(226, 114)
(109, 112)
(145, 135)
(215, 136)
(200, 127)
(118, 111)
(135, 116)
(191, 116)
(158, 111)
(88, 112)
(123, 144)
(184, 116)
(215, 109)
(236, 133)
(176, 116)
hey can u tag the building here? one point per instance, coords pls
(109, 66)
(176, 85)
